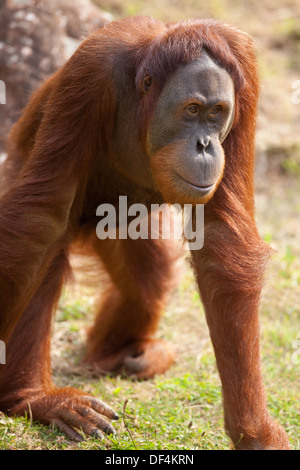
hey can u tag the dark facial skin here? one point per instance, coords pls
(195, 110)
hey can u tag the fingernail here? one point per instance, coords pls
(110, 430)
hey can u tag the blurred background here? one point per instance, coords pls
(37, 37)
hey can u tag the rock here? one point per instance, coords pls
(36, 39)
